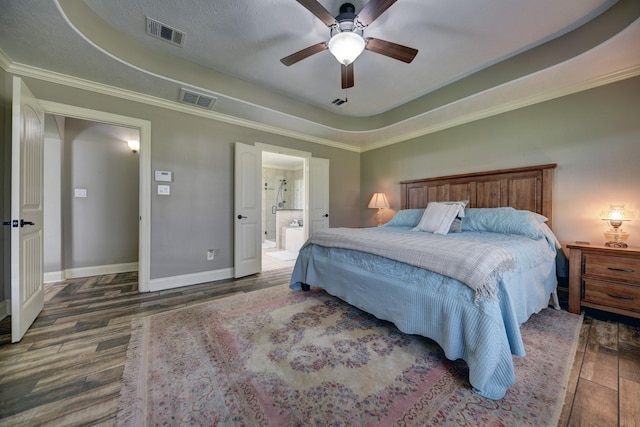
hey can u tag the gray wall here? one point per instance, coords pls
(199, 212)
(593, 136)
(101, 229)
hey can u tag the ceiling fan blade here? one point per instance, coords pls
(319, 11)
(373, 9)
(304, 53)
(392, 50)
(347, 76)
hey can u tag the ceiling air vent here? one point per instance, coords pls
(196, 99)
(164, 32)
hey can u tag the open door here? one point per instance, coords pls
(247, 216)
(27, 142)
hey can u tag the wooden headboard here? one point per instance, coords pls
(529, 188)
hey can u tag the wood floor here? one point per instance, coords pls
(604, 385)
(66, 371)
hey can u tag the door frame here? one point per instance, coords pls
(306, 158)
(144, 209)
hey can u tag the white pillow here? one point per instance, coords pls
(437, 217)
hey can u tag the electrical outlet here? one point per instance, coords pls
(211, 254)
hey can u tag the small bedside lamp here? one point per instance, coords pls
(379, 200)
(616, 215)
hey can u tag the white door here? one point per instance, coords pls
(27, 142)
(319, 194)
(247, 215)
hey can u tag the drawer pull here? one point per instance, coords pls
(624, 297)
(626, 270)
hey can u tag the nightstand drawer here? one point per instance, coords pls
(626, 297)
(612, 267)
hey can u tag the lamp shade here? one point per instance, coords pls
(616, 213)
(379, 200)
(346, 46)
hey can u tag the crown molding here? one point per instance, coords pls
(438, 125)
(28, 71)
(5, 61)
(616, 59)
(483, 113)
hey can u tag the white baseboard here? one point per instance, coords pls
(72, 273)
(54, 276)
(172, 282)
(5, 308)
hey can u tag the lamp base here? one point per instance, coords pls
(616, 238)
(614, 244)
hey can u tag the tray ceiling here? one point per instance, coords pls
(476, 58)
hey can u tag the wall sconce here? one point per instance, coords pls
(615, 216)
(379, 201)
(134, 145)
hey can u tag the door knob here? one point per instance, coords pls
(240, 216)
(326, 215)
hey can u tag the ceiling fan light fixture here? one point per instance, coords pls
(346, 46)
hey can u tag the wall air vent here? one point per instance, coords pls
(164, 32)
(196, 99)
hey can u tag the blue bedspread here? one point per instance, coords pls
(417, 301)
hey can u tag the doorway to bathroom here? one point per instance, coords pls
(283, 209)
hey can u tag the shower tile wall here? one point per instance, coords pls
(292, 198)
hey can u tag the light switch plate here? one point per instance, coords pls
(164, 190)
(80, 192)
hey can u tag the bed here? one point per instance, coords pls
(469, 287)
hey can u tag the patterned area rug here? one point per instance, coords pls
(280, 358)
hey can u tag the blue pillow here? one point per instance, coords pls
(405, 218)
(504, 220)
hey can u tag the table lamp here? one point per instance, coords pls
(615, 216)
(379, 200)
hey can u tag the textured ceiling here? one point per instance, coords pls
(476, 58)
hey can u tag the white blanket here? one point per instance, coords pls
(478, 265)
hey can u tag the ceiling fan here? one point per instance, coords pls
(347, 39)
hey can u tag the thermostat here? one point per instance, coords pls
(163, 176)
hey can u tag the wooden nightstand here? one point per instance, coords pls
(604, 278)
